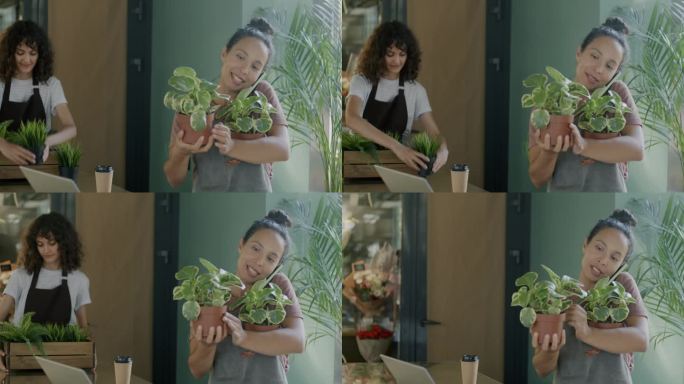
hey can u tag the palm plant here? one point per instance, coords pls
(658, 79)
(316, 267)
(661, 265)
(308, 82)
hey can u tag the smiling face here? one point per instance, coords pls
(260, 255)
(598, 62)
(603, 255)
(243, 64)
(48, 249)
(395, 59)
(25, 58)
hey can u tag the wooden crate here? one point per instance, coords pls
(19, 356)
(10, 171)
(359, 165)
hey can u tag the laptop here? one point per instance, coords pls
(407, 373)
(397, 181)
(59, 373)
(47, 182)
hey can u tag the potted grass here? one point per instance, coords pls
(192, 100)
(205, 294)
(262, 307)
(607, 304)
(68, 158)
(602, 116)
(31, 135)
(428, 146)
(543, 302)
(359, 154)
(67, 344)
(248, 116)
(3, 128)
(554, 101)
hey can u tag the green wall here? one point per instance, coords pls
(560, 224)
(548, 32)
(212, 225)
(192, 33)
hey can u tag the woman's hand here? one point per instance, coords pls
(413, 159)
(236, 331)
(562, 142)
(2, 362)
(550, 343)
(17, 154)
(442, 156)
(578, 142)
(222, 138)
(46, 152)
(576, 317)
(215, 335)
(178, 146)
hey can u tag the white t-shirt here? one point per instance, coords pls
(51, 93)
(417, 102)
(20, 282)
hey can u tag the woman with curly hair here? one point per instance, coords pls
(29, 89)
(385, 99)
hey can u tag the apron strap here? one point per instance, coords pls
(34, 279)
(6, 92)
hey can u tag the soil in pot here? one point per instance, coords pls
(548, 325)
(427, 171)
(70, 173)
(559, 126)
(260, 328)
(191, 136)
(210, 317)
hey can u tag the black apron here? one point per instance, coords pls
(387, 116)
(32, 109)
(49, 306)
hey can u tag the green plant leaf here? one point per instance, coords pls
(190, 310)
(527, 279)
(540, 118)
(527, 317)
(198, 120)
(184, 71)
(187, 272)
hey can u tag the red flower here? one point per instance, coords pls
(374, 332)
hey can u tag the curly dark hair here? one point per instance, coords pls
(371, 62)
(56, 227)
(276, 220)
(29, 33)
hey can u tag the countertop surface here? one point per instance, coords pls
(376, 373)
(440, 182)
(104, 376)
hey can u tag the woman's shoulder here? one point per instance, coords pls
(21, 272)
(77, 274)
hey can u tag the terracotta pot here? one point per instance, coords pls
(605, 325)
(70, 173)
(210, 317)
(191, 136)
(559, 125)
(548, 325)
(260, 328)
(599, 136)
(371, 349)
(427, 171)
(246, 136)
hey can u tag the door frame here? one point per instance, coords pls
(37, 11)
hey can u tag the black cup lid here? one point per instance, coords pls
(123, 359)
(459, 167)
(470, 358)
(104, 168)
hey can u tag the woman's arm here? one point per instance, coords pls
(269, 149)
(288, 339)
(176, 165)
(6, 306)
(68, 130)
(202, 351)
(543, 156)
(427, 121)
(82, 318)
(354, 120)
(632, 338)
(628, 147)
(545, 359)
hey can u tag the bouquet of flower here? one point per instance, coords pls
(374, 332)
(373, 341)
(370, 285)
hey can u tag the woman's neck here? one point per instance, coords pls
(587, 284)
(23, 76)
(390, 76)
(52, 266)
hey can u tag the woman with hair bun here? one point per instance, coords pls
(606, 249)
(248, 356)
(577, 163)
(224, 163)
(385, 99)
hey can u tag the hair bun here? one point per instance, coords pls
(625, 217)
(261, 25)
(616, 24)
(279, 216)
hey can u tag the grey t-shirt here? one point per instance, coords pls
(51, 93)
(417, 102)
(20, 282)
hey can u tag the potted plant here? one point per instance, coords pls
(248, 116)
(205, 294)
(262, 307)
(606, 304)
(3, 128)
(554, 102)
(602, 115)
(359, 154)
(428, 146)
(68, 158)
(373, 341)
(191, 98)
(543, 302)
(31, 135)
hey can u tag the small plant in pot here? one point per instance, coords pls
(554, 101)
(31, 135)
(428, 146)
(248, 116)
(68, 158)
(3, 128)
(607, 304)
(262, 307)
(205, 294)
(543, 302)
(192, 99)
(603, 115)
